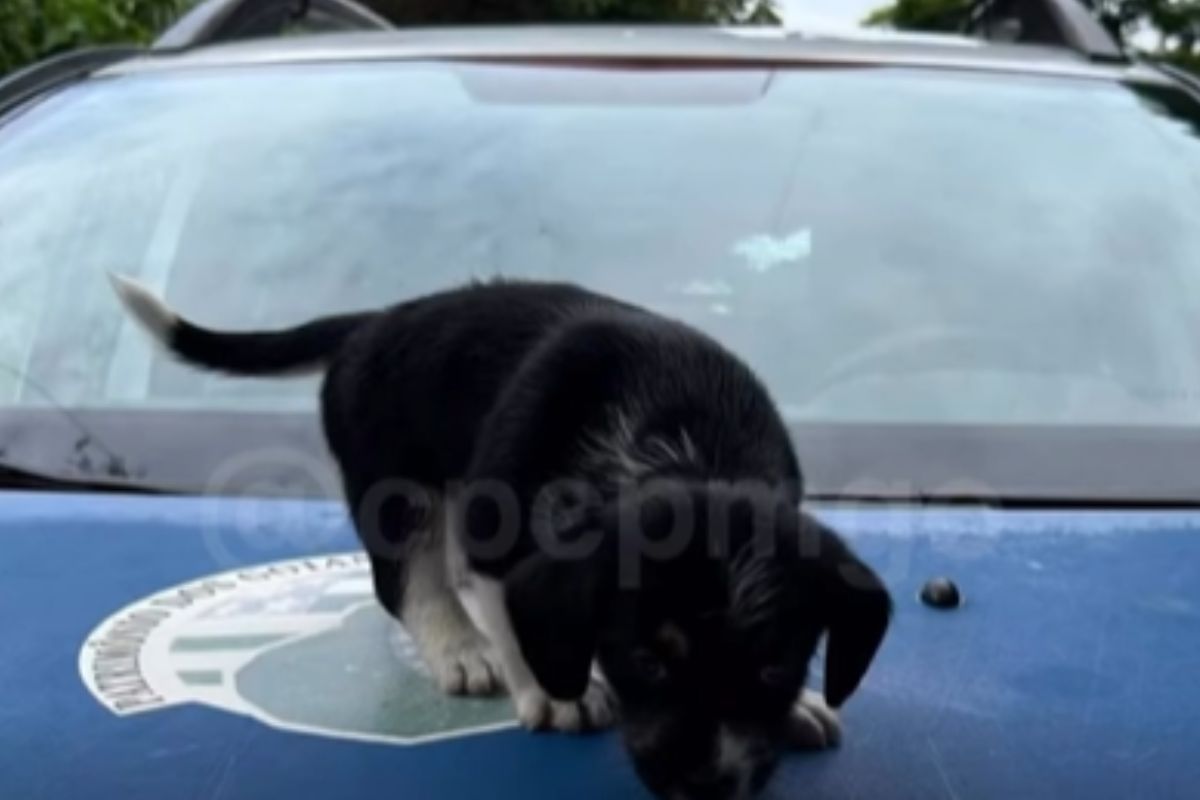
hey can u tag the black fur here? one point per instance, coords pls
(750, 594)
(304, 347)
(524, 385)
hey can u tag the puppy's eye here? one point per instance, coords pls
(649, 667)
(776, 677)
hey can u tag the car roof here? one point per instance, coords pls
(682, 46)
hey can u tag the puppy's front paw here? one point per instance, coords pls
(469, 667)
(594, 711)
(813, 724)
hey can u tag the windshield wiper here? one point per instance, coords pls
(1031, 502)
(116, 475)
(22, 478)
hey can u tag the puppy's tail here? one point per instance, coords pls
(301, 350)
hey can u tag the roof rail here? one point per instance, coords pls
(214, 21)
(1190, 80)
(44, 75)
(1064, 23)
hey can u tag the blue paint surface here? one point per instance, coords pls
(1070, 672)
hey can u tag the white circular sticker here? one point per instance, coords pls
(300, 645)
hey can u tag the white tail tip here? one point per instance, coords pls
(145, 307)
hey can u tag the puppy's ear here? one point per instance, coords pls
(858, 613)
(555, 607)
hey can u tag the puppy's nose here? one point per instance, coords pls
(727, 785)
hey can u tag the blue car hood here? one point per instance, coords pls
(203, 647)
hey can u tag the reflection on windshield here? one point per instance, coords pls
(882, 245)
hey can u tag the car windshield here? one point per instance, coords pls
(884, 245)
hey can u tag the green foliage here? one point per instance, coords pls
(921, 15)
(33, 29)
(715, 11)
(434, 12)
(1188, 61)
(1177, 22)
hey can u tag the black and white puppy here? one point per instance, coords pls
(562, 494)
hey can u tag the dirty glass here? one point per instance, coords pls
(883, 245)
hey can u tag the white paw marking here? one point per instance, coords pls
(469, 667)
(813, 725)
(596, 710)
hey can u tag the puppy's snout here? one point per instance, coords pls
(726, 786)
(740, 784)
(731, 767)
(702, 786)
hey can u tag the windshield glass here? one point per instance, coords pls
(882, 245)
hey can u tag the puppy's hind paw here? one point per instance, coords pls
(813, 724)
(595, 711)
